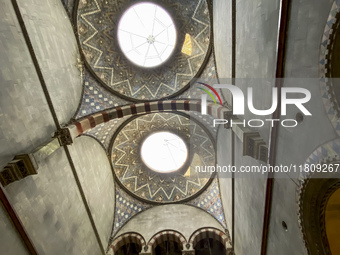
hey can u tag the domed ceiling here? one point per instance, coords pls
(111, 79)
(153, 186)
(97, 24)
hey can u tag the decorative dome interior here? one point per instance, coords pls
(103, 25)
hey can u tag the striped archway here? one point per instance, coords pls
(79, 127)
(125, 239)
(209, 233)
(167, 235)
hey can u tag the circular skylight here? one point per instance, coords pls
(164, 152)
(146, 34)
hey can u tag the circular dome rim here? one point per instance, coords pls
(180, 41)
(152, 202)
(185, 164)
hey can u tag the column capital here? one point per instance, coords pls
(20, 167)
(64, 136)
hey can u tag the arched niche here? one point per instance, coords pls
(123, 243)
(167, 241)
(314, 198)
(204, 239)
(333, 222)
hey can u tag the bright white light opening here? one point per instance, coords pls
(164, 152)
(146, 34)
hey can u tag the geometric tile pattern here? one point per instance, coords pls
(97, 22)
(328, 99)
(210, 201)
(207, 76)
(153, 186)
(126, 207)
(104, 132)
(96, 98)
(206, 120)
(84, 124)
(327, 151)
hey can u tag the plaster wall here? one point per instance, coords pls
(222, 27)
(52, 211)
(95, 174)
(26, 121)
(306, 25)
(55, 45)
(249, 205)
(224, 159)
(256, 36)
(10, 241)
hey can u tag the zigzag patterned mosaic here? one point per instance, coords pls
(208, 76)
(104, 132)
(210, 201)
(330, 150)
(96, 25)
(96, 98)
(153, 186)
(326, 91)
(126, 207)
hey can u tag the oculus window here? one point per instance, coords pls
(146, 34)
(164, 152)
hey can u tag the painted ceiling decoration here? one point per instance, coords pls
(329, 70)
(97, 24)
(126, 208)
(152, 186)
(105, 131)
(123, 135)
(210, 201)
(80, 126)
(96, 98)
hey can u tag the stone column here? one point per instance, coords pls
(64, 136)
